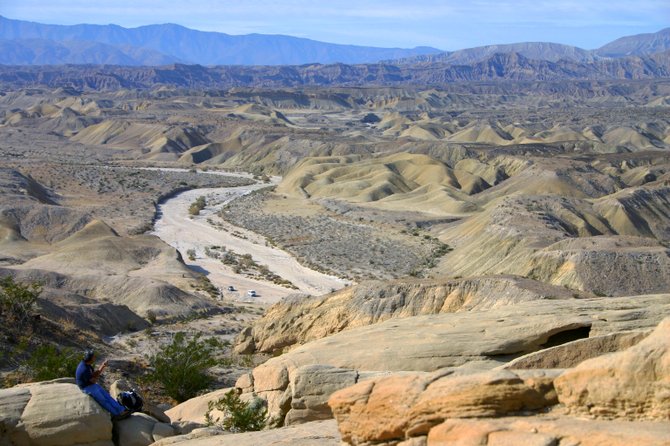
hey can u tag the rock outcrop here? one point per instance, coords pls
(626, 388)
(632, 384)
(293, 321)
(57, 413)
(317, 433)
(476, 340)
(52, 413)
(398, 408)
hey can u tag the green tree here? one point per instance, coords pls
(238, 416)
(48, 362)
(181, 367)
(17, 300)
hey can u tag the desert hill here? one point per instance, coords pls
(495, 238)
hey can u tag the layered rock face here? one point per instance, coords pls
(627, 390)
(300, 320)
(297, 384)
(633, 384)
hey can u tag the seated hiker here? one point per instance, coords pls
(87, 379)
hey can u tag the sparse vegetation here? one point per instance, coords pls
(197, 206)
(238, 415)
(191, 254)
(181, 367)
(17, 301)
(245, 264)
(50, 362)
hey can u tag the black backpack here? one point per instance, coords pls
(130, 400)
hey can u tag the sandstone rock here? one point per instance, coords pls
(292, 321)
(397, 408)
(476, 339)
(245, 382)
(550, 430)
(310, 388)
(317, 433)
(12, 403)
(270, 378)
(194, 410)
(152, 410)
(570, 354)
(61, 414)
(136, 430)
(633, 384)
(162, 430)
(196, 434)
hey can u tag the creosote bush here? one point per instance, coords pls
(238, 416)
(197, 206)
(181, 367)
(17, 301)
(49, 362)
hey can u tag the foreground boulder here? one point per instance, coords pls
(318, 433)
(52, 413)
(633, 384)
(397, 408)
(57, 413)
(545, 430)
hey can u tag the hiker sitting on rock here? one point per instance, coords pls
(87, 381)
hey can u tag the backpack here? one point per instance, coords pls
(130, 400)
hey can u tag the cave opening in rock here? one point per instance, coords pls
(566, 336)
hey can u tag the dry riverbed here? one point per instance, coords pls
(200, 239)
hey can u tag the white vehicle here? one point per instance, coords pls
(252, 293)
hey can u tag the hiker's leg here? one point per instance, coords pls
(104, 399)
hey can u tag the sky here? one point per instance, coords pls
(447, 24)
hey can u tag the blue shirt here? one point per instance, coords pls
(84, 374)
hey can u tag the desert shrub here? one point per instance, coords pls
(181, 367)
(191, 254)
(17, 300)
(49, 362)
(238, 416)
(152, 317)
(197, 206)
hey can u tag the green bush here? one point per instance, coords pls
(17, 301)
(238, 416)
(48, 362)
(181, 367)
(197, 206)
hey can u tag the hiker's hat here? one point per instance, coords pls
(89, 354)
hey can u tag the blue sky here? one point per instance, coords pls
(446, 24)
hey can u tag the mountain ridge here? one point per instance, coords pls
(161, 44)
(499, 67)
(205, 47)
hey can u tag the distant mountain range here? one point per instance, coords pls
(498, 67)
(29, 43)
(639, 45)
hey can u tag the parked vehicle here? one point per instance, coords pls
(231, 288)
(252, 293)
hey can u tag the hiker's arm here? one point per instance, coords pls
(98, 372)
